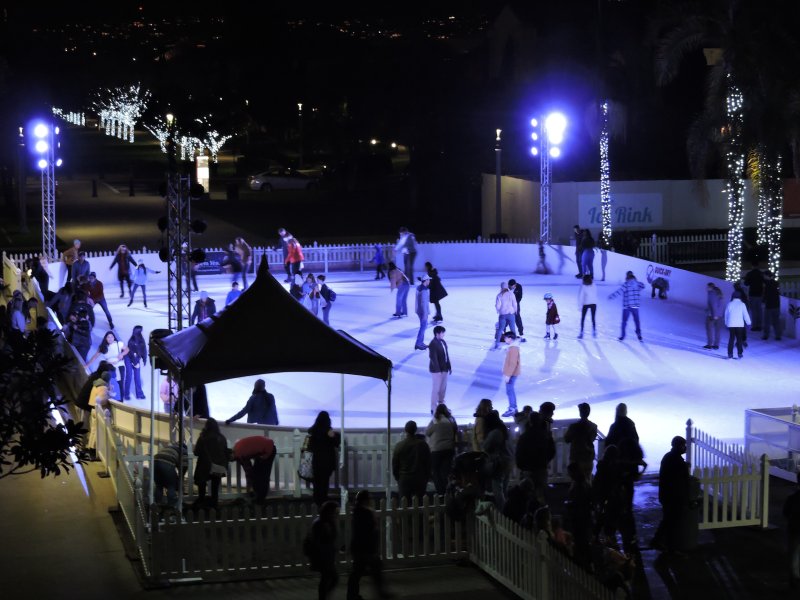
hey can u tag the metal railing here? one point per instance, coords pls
(684, 249)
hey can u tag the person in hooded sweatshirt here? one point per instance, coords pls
(736, 320)
(135, 359)
(203, 308)
(260, 408)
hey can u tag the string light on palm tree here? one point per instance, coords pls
(605, 175)
(734, 188)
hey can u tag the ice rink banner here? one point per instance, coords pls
(628, 211)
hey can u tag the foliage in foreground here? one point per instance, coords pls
(30, 439)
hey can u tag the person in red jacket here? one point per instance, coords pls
(256, 454)
(94, 289)
(294, 258)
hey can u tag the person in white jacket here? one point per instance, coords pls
(736, 319)
(587, 301)
(506, 306)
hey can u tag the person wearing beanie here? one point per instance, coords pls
(506, 306)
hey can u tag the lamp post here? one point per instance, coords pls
(498, 151)
(549, 134)
(300, 123)
(44, 143)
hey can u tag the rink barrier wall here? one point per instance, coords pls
(734, 484)
(363, 453)
(776, 432)
(527, 563)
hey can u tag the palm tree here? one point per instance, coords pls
(752, 102)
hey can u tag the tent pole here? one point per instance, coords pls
(152, 428)
(388, 482)
(342, 450)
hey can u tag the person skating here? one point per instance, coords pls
(124, 261)
(96, 296)
(399, 281)
(587, 301)
(754, 280)
(245, 253)
(714, 316)
(233, 294)
(421, 309)
(578, 250)
(516, 289)
(438, 293)
(506, 306)
(630, 302)
(140, 281)
(551, 318)
(511, 371)
(203, 309)
(407, 247)
(379, 261)
(736, 320)
(260, 407)
(772, 307)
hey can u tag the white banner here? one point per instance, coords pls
(628, 211)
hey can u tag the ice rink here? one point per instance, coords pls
(665, 380)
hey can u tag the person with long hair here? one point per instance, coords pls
(260, 407)
(245, 253)
(140, 281)
(438, 293)
(113, 352)
(323, 445)
(123, 260)
(495, 444)
(484, 408)
(211, 448)
(135, 359)
(311, 294)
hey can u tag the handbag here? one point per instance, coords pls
(218, 470)
(305, 469)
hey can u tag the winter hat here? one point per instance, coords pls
(548, 296)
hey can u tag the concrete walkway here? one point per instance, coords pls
(60, 542)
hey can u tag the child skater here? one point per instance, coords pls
(552, 319)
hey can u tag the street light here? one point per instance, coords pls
(44, 145)
(498, 151)
(547, 135)
(300, 120)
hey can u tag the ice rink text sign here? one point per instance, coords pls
(628, 211)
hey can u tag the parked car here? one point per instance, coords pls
(282, 178)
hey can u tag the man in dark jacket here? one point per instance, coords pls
(673, 494)
(411, 464)
(365, 547)
(772, 306)
(94, 290)
(536, 448)
(78, 332)
(754, 280)
(578, 250)
(516, 288)
(439, 366)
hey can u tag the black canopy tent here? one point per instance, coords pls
(267, 331)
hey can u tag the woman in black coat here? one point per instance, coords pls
(438, 292)
(324, 443)
(211, 447)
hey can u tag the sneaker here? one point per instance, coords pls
(510, 412)
(547, 336)
(707, 347)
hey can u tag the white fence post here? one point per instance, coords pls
(689, 441)
(764, 491)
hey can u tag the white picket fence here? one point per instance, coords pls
(735, 485)
(683, 249)
(528, 565)
(364, 462)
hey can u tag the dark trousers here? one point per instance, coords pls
(440, 468)
(588, 307)
(438, 315)
(408, 265)
(257, 470)
(136, 286)
(135, 375)
(361, 566)
(201, 489)
(328, 578)
(735, 333)
(104, 305)
(772, 319)
(518, 319)
(191, 279)
(124, 279)
(379, 274)
(320, 483)
(411, 488)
